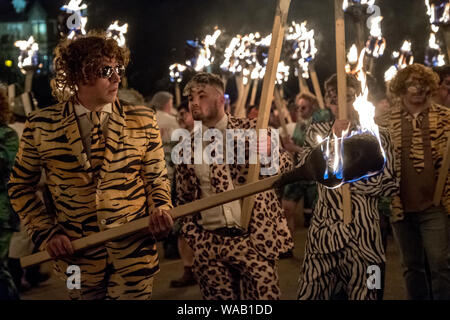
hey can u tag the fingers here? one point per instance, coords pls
(59, 246)
(160, 223)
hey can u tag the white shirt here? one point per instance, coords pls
(85, 125)
(228, 214)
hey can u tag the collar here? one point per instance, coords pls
(81, 110)
(220, 125)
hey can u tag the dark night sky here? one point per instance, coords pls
(158, 29)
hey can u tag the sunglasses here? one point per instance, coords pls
(107, 71)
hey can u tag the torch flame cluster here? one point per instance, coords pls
(205, 57)
(241, 56)
(402, 60)
(439, 15)
(376, 44)
(117, 32)
(28, 53)
(305, 46)
(75, 7)
(176, 72)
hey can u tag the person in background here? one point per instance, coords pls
(9, 222)
(186, 121)
(162, 102)
(305, 106)
(442, 95)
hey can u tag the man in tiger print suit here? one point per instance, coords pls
(226, 259)
(337, 252)
(419, 130)
(104, 166)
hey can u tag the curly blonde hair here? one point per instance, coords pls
(78, 61)
(5, 113)
(397, 87)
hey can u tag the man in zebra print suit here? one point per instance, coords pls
(337, 252)
(419, 131)
(105, 167)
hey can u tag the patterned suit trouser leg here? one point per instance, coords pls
(101, 281)
(321, 273)
(231, 269)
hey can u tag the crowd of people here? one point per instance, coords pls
(101, 162)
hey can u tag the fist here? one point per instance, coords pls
(160, 223)
(340, 126)
(59, 246)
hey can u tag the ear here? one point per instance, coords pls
(221, 98)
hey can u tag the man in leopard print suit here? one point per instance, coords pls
(227, 259)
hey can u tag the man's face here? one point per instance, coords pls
(305, 108)
(331, 99)
(417, 90)
(206, 103)
(444, 91)
(104, 87)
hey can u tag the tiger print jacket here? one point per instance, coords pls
(268, 229)
(132, 180)
(439, 118)
(328, 233)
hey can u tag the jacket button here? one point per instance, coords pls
(103, 221)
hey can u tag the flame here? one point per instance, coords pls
(282, 72)
(176, 72)
(356, 62)
(433, 11)
(205, 57)
(240, 56)
(366, 125)
(75, 7)
(28, 53)
(345, 4)
(305, 49)
(434, 56)
(375, 28)
(117, 32)
(352, 56)
(401, 60)
(390, 74)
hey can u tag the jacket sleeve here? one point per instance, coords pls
(22, 187)
(154, 171)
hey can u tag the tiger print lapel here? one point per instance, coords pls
(114, 140)
(70, 124)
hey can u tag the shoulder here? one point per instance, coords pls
(241, 123)
(7, 133)
(322, 115)
(140, 115)
(442, 111)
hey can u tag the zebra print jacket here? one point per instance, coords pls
(327, 232)
(439, 118)
(132, 180)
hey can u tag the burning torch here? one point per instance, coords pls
(402, 59)
(76, 22)
(376, 44)
(176, 76)
(439, 13)
(28, 61)
(117, 32)
(359, 10)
